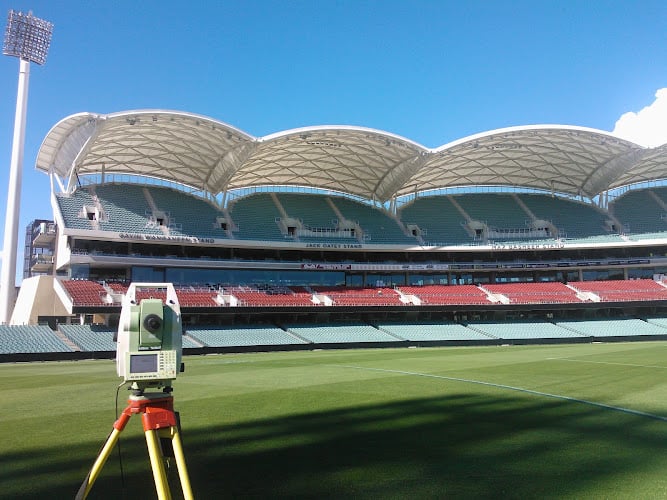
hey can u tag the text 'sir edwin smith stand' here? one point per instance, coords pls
(148, 356)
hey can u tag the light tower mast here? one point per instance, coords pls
(28, 38)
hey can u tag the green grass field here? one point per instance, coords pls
(567, 421)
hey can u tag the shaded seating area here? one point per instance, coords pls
(255, 218)
(126, 209)
(574, 219)
(377, 226)
(499, 211)
(316, 219)
(188, 215)
(72, 209)
(640, 212)
(312, 210)
(438, 219)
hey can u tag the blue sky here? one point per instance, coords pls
(431, 71)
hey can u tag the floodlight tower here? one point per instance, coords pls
(28, 38)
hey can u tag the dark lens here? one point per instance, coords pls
(152, 323)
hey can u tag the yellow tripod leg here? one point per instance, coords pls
(101, 459)
(104, 453)
(157, 464)
(177, 445)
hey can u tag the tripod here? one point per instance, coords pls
(160, 427)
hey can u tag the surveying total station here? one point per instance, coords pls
(148, 357)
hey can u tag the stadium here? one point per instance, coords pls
(526, 234)
(478, 320)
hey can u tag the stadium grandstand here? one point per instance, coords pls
(341, 235)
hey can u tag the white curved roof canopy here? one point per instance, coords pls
(210, 155)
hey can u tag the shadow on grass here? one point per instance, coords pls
(456, 446)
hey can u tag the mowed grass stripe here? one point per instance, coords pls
(518, 389)
(607, 363)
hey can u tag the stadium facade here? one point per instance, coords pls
(344, 222)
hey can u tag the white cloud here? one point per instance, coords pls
(647, 127)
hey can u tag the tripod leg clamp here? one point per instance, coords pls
(156, 418)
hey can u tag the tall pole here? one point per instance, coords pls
(28, 38)
(8, 278)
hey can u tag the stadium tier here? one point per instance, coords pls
(81, 341)
(377, 227)
(87, 294)
(524, 331)
(574, 220)
(441, 220)
(30, 339)
(197, 298)
(237, 337)
(91, 338)
(498, 210)
(624, 290)
(614, 328)
(640, 212)
(433, 332)
(124, 209)
(435, 220)
(534, 293)
(309, 218)
(341, 333)
(364, 296)
(441, 294)
(255, 218)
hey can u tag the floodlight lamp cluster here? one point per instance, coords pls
(27, 37)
